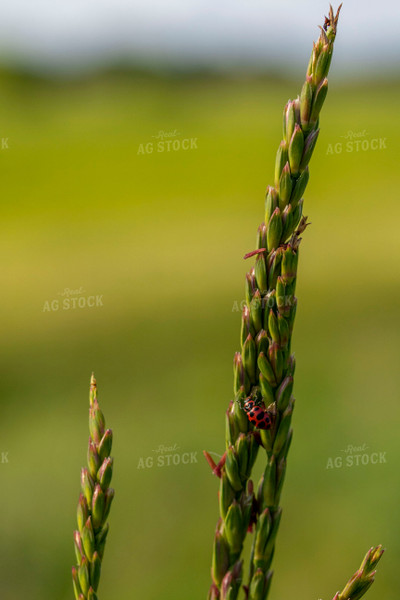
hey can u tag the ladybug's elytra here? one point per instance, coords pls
(257, 414)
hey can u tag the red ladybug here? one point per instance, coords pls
(257, 414)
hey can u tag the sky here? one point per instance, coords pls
(63, 35)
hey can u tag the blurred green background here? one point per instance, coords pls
(160, 239)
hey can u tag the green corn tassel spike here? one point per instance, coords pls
(94, 504)
(264, 369)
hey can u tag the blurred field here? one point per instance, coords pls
(160, 238)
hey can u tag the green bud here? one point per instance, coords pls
(292, 315)
(281, 160)
(291, 365)
(289, 265)
(91, 594)
(266, 390)
(250, 286)
(256, 313)
(285, 186)
(104, 474)
(287, 221)
(280, 477)
(232, 469)
(101, 538)
(269, 548)
(220, 558)
(284, 393)
(231, 430)
(233, 529)
(274, 230)
(96, 422)
(83, 576)
(299, 187)
(271, 202)
(266, 436)
(226, 494)
(240, 378)
(109, 497)
(262, 342)
(249, 358)
(284, 333)
(260, 270)
(242, 452)
(282, 433)
(268, 485)
(261, 538)
(274, 270)
(273, 326)
(268, 302)
(296, 146)
(257, 586)
(305, 102)
(309, 146)
(290, 120)
(252, 453)
(261, 236)
(105, 445)
(282, 297)
(298, 211)
(95, 569)
(266, 369)
(75, 583)
(93, 458)
(246, 325)
(322, 66)
(238, 412)
(88, 538)
(213, 592)
(87, 485)
(231, 582)
(275, 357)
(98, 503)
(82, 512)
(79, 552)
